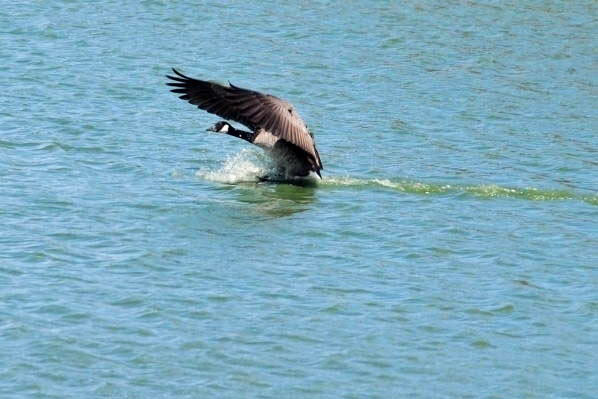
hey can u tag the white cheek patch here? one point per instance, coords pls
(223, 129)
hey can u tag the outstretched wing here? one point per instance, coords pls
(251, 108)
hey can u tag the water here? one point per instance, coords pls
(450, 251)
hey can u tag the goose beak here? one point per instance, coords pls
(210, 129)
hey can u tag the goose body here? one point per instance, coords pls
(275, 124)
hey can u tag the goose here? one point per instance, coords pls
(276, 126)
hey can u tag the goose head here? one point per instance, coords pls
(220, 127)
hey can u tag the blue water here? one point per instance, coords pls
(451, 250)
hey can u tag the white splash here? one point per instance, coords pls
(247, 166)
(400, 185)
(342, 181)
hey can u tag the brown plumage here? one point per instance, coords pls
(257, 111)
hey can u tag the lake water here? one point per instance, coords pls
(451, 250)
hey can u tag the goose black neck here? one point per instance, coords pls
(240, 134)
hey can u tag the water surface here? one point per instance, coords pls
(450, 251)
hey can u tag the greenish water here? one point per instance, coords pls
(449, 252)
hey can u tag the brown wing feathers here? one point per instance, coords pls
(211, 97)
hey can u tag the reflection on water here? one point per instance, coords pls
(276, 199)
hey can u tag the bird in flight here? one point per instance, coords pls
(275, 124)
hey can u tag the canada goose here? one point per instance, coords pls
(276, 126)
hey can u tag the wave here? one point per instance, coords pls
(248, 166)
(482, 190)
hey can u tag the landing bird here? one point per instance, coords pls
(275, 124)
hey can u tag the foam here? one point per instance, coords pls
(488, 191)
(245, 167)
